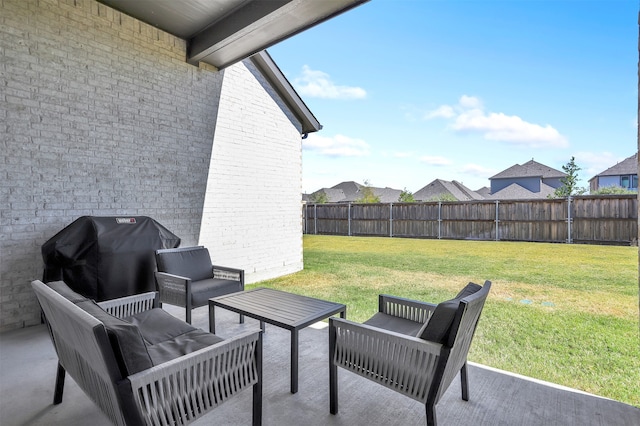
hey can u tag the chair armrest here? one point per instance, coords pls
(403, 363)
(130, 305)
(413, 310)
(182, 390)
(173, 289)
(227, 273)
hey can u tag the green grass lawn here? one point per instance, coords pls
(567, 314)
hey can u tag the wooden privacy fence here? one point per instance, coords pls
(583, 219)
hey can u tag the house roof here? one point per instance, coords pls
(628, 166)
(350, 192)
(349, 188)
(529, 169)
(439, 187)
(223, 32)
(518, 192)
(485, 191)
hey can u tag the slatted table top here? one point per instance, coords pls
(286, 310)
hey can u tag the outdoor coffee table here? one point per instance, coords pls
(285, 310)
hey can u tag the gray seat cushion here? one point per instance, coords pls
(194, 264)
(183, 344)
(202, 291)
(391, 323)
(168, 337)
(438, 327)
(157, 325)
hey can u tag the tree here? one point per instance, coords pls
(319, 197)
(406, 197)
(569, 182)
(368, 196)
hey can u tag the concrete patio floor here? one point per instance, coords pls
(28, 365)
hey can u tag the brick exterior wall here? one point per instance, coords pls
(253, 213)
(100, 115)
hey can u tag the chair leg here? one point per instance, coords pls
(431, 414)
(57, 394)
(257, 388)
(188, 315)
(333, 372)
(241, 319)
(464, 382)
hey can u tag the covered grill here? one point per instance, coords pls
(107, 257)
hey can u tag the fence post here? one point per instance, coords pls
(569, 220)
(391, 220)
(439, 217)
(315, 219)
(497, 221)
(349, 219)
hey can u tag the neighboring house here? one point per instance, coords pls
(151, 111)
(442, 188)
(624, 174)
(529, 180)
(351, 192)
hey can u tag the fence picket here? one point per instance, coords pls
(584, 219)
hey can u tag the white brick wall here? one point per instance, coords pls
(99, 115)
(252, 211)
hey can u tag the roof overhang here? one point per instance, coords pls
(265, 64)
(223, 32)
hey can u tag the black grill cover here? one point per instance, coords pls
(107, 257)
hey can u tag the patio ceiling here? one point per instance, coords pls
(222, 32)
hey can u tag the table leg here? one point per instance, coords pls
(294, 361)
(343, 314)
(212, 319)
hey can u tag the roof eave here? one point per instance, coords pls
(270, 70)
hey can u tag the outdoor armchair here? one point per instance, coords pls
(411, 347)
(142, 366)
(187, 278)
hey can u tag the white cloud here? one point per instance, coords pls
(444, 111)
(593, 163)
(336, 146)
(318, 84)
(477, 170)
(435, 160)
(469, 116)
(470, 102)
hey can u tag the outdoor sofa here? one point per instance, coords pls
(140, 364)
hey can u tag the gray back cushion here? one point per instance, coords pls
(65, 291)
(194, 264)
(438, 327)
(126, 341)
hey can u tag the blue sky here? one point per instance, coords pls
(409, 91)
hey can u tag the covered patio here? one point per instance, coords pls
(28, 366)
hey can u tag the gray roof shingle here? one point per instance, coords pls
(529, 169)
(439, 187)
(628, 166)
(517, 192)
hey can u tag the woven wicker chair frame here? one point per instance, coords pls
(417, 368)
(176, 392)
